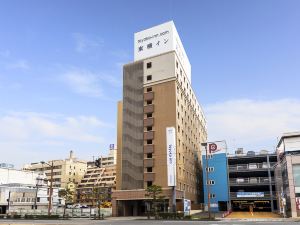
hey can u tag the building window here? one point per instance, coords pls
(149, 102)
(149, 183)
(149, 115)
(149, 142)
(149, 128)
(149, 77)
(210, 182)
(208, 156)
(149, 155)
(149, 89)
(149, 65)
(210, 169)
(149, 169)
(212, 195)
(176, 64)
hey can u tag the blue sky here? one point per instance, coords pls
(61, 70)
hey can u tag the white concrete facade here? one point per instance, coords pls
(8, 176)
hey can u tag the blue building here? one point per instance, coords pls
(215, 167)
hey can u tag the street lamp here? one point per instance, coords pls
(207, 182)
(51, 186)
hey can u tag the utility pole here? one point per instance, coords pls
(51, 186)
(207, 182)
(8, 202)
(51, 190)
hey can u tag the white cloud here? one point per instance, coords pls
(28, 127)
(27, 137)
(84, 43)
(83, 82)
(250, 123)
(20, 64)
(88, 83)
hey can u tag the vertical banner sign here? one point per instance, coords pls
(171, 156)
(298, 203)
(187, 207)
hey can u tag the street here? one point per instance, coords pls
(137, 222)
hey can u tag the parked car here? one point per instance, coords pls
(252, 166)
(240, 180)
(253, 180)
(250, 153)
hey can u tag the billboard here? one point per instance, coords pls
(250, 194)
(171, 156)
(160, 39)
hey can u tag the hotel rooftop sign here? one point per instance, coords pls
(160, 39)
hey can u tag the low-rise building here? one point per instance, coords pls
(18, 197)
(8, 176)
(251, 181)
(215, 176)
(287, 174)
(98, 177)
(67, 173)
(25, 190)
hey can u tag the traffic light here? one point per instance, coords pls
(109, 192)
(98, 162)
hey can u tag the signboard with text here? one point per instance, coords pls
(250, 194)
(187, 207)
(171, 156)
(214, 148)
(160, 39)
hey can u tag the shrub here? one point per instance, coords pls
(189, 217)
(27, 216)
(171, 216)
(16, 216)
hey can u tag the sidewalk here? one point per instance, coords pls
(257, 216)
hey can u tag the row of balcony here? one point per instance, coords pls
(251, 166)
(250, 181)
(149, 135)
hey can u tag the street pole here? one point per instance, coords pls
(207, 183)
(8, 202)
(50, 191)
(35, 200)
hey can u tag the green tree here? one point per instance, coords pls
(68, 196)
(154, 193)
(100, 195)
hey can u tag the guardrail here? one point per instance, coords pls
(251, 180)
(251, 166)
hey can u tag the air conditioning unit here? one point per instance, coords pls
(263, 152)
(239, 151)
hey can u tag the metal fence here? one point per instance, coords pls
(251, 166)
(84, 212)
(251, 180)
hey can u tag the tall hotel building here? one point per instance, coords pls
(158, 97)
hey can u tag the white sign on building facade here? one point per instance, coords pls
(160, 39)
(216, 147)
(171, 156)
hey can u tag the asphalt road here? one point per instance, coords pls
(138, 222)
